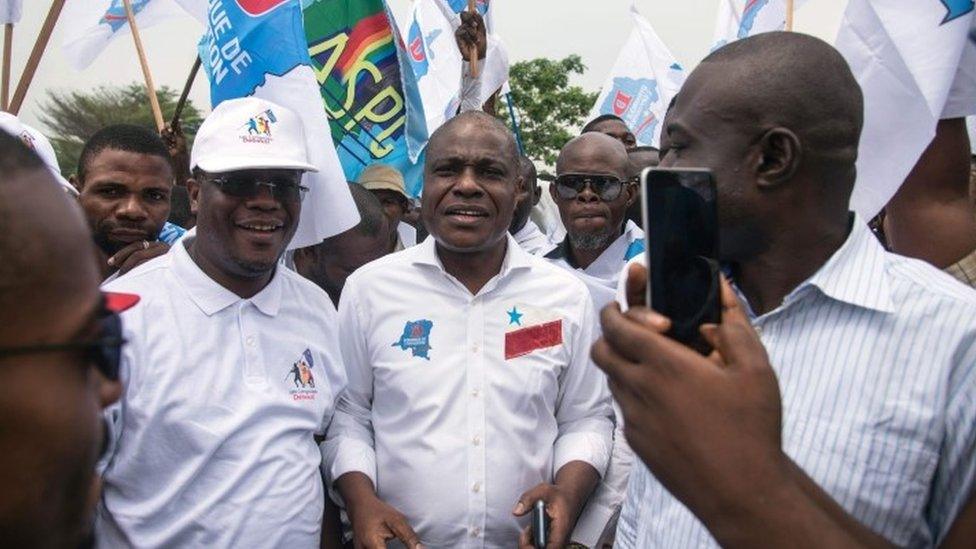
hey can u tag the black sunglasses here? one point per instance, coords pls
(607, 187)
(104, 352)
(283, 188)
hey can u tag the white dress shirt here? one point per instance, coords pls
(601, 276)
(533, 240)
(450, 431)
(876, 360)
(212, 440)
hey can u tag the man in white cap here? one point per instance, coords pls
(386, 183)
(37, 142)
(231, 364)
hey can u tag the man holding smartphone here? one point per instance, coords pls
(593, 189)
(874, 354)
(471, 393)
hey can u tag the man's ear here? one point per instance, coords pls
(552, 192)
(193, 189)
(631, 191)
(75, 182)
(520, 192)
(780, 156)
(536, 195)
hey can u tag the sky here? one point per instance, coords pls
(594, 29)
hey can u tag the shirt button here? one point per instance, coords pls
(475, 393)
(476, 488)
(249, 341)
(475, 532)
(476, 440)
(474, 348)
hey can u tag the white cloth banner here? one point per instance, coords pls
(96, 23)
(741, 18)
(10, 11)
(641, 84)
(905, 54)
(434, 59)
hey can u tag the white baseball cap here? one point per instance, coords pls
(37, 142)
(250, 133)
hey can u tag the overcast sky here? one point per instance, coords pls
(594, 29)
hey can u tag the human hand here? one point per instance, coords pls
(136, 254)
(709, 428)
(374, 522)
(175, 140)
(471, 34)
(561, 508)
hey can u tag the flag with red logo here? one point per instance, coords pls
(642, 82)
(531, 329)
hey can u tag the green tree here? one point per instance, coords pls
(72, 117)
(549, 109)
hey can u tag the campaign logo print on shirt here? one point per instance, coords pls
(531, 329)
(259, 127)
(416, 338)
(302, 378)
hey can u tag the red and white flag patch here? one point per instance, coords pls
(531, 329)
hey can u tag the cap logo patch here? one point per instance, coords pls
(257, 129)
(28, 140)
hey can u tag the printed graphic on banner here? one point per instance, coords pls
(462, 5)
(115, 17)
(749, 14)
(956, 9)
(303, 378)
(634, 99)
(416, 338)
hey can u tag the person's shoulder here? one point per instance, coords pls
(390, 265)
(143, 278)
(925, 282)
(305, 291)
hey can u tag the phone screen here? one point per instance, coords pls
(681, 226)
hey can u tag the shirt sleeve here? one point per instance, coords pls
(583, 412)
(954, 477)
(349, 443)
(491, 77)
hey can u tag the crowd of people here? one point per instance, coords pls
(173, 377)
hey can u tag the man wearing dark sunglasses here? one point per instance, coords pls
(59, 349)
(231, 364)
(593, 189)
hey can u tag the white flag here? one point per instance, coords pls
(10, 11)
(96, 23)
(742, 18)
(905, 54)
(641, 84)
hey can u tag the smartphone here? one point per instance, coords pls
(681, 231)
(540, 525)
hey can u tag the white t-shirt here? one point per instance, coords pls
(212, 440)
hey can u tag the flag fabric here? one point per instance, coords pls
(10, 11)
(741, 18)
(906, 56)
(96, 23)
(257, 47)
(367, 85)
(642, 82)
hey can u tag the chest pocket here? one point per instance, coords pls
(532, 379)
(879, 473)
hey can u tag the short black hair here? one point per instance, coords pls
(121, 137)
(602, 118)
(643, 148)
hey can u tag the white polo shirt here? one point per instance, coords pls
(213, 436)
(601, 276)
(459, 403)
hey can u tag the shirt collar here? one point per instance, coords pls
(210, 296)
(621, 244)
(856, 273)
(516, 258)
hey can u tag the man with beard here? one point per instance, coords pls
(594, 187)
(471, 394)
(213, 440)
(125, 178)
(59, 350)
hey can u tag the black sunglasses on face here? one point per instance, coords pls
(104, 352)
(607, 187)
(283, 188)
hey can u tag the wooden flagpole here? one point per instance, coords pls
(35, 57)
(8, 42)
(789, 15)
(150, 87)
(473, 52)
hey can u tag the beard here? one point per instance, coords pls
(591, 241)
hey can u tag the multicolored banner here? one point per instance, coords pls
(354, 47)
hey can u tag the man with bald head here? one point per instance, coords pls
(59, 347)
(874, 354)
(594, 186)
(471, 394)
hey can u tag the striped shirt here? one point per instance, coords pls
(876, 360)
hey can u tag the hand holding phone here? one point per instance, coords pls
(540, 525)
